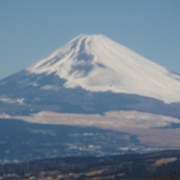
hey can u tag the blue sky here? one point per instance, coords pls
(31, 29)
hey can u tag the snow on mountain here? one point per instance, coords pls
(96, 63)
(13, 101)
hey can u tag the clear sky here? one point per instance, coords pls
(31, 29)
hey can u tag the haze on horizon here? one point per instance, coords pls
(30, 30)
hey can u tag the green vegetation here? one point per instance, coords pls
(155, 166)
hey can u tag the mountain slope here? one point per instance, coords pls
(99, 64)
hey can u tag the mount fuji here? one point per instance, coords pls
(132, 103)
(91, 74)
(96, 63)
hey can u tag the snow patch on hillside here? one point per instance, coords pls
(13, 101)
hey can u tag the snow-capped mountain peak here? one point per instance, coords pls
(96, 63)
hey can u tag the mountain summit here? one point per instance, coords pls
(96, 63)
